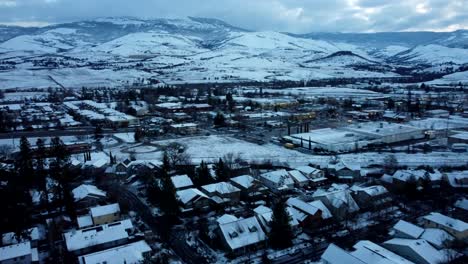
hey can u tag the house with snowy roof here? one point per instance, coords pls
(300, 180)
(306, 214)
(192, 199)
(315, 176)
(455, 227)
(242, 234)
(338, 200)
(131, 253)
(344, 170)
(277, 181)
(401, 177)
(181, 182)
(371, 197)
(404, 229)
(416, 250)
(264, 216)
(222, 192)
(87, 240)
(20, 253)
(105, 214)
(87, 195)
(364, 252)
(33, 235)
(250, 188)
(438, 238)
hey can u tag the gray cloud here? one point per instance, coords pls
(297, 16)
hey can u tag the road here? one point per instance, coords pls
(78, 131)
(178, 242)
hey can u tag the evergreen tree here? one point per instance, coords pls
(24, 162)
(40, 167)
(219, 120)
(202, 175)
(222, 171)
(281, 234)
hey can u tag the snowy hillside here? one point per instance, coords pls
(120, 50)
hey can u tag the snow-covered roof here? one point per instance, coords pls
(302, 206)
(246, 181)
(104, 210)
(181, 181)
(86, 190)
(338, 197)
(462, 204)
(326, 214)
(298, 176)
(242, 233)
(437, 237)
(307, 170)
(443, 220)
(281, 177)
(185, 196)
(226, 218)
(32, 233)
(129, 253)
(405, 175)
(420, 247)
(375, 190)
(372, 253)
(220, 187)
(15, 251)
(84, 221)
(336, 255)
(93, 236)
(409, 229)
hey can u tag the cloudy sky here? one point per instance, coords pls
(297, 16)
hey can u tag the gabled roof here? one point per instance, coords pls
(335, 255)
(302, 206)
(326, 214)
(86, 190)
(129, 253)
(420, 247)
(189, 195)
(280, 177)
(437, 237)
(446, 221)
(372, 253)
(307, 170)
(242, 233)
(226, 218)
(246, 181)
(220, 187)
(409, 229)
(181, 181)
(104, 210)
(298, 176)
(15, 251)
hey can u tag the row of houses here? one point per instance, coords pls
(409, 243)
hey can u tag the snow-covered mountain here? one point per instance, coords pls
(116, 51)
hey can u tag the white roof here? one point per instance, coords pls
(84, 221)
(326, 214)
(336, 255)
(307, 169)
(88, 237)
(420, 247)
(372, 253)
(104, 210)
(181, 181)
(405, 175)
(409, 229)
(188, 195)
(85, 190)
(446, 221)
(280, 177)
(371, 190)
(462, 204)
(226, 218)
(242, 233)
(220, 187)
(131, 254)
(14, 251)
(436, 236)
(302, 206)
(245, 181)
(298, 176)
(33, 233)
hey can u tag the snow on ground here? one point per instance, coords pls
(126, 137)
